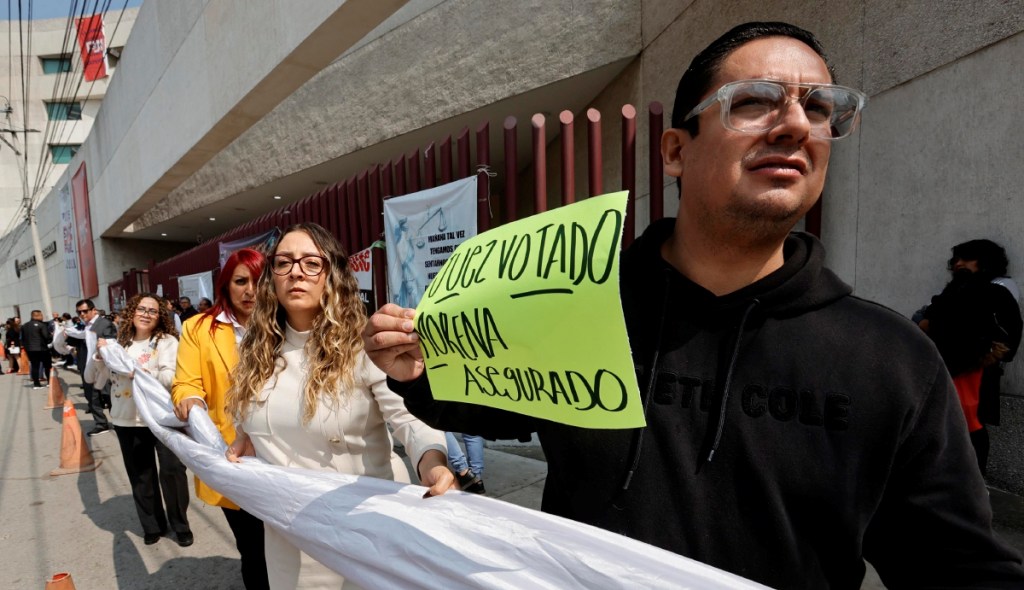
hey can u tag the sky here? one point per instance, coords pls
(58, 8)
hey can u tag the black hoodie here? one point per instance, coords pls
(793, 430)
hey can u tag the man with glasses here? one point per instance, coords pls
(187, 310)
(793, 430)
(96, 326)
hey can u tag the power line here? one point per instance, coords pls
(41, 177)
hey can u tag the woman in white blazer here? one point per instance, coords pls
(305, 394)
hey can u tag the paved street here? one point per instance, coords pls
(86, 524)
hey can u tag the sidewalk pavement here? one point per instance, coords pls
(86, 524)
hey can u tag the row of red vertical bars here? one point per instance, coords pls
(352, 209)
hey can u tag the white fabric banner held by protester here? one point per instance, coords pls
(383, 534)
(421, 231)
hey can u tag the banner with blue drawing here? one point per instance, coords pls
(421, 231)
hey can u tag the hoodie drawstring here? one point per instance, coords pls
(728, 379)
(639, 436)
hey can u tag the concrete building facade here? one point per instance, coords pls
(221, 105)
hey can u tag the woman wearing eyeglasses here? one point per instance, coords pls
(305, 394)
(147, 333)
(207, 354)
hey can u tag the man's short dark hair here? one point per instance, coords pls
(86, 302)
(990, 256)
(696, 80)
(185, 299)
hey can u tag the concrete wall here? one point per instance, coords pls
(482, 52)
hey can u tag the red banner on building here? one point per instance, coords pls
(93, 46)
(83, 221)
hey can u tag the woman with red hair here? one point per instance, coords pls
(207, 353)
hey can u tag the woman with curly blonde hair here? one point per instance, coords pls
(147, 333)
(305, 394)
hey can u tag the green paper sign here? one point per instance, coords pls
(527, 318)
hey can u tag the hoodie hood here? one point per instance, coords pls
(802, 284)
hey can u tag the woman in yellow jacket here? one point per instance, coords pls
(207, 353)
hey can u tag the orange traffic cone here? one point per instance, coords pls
(56, 397)
(23, 363)
(75, 456)
(61, 581)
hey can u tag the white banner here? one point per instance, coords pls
(361, 264)
(196, 286)
(383, 534)
(69, 238)
(421, 231)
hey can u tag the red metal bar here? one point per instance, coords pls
(511, 168)
(594, 157)
(565, 118)
(400, 176)
(413, 180)
(385, 180)
(446, 160)
(374, 203)
(380, 178)
(540, 165)
(331, 202)
(483, 181)
(352, 205)
(341, 213)
(363, 205)
(324, 215)
(429, 167)
(462, 143)
(655, 123)
(629, 171)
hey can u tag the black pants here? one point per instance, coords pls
(140, 450)
(39, 363)
(94, 397)
(248, 531)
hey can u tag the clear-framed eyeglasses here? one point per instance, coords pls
(755, 106)
(311, 266)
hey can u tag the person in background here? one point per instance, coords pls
(67, 322)
(305, 394)
(468, 466)
(207, 353)
(94, 326)
(174, 313)
(36, 337)
(147, 333)
(187, 311)
(204, 304)
(12, 344)
(976, 324)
